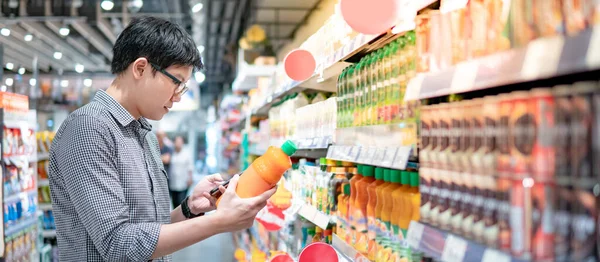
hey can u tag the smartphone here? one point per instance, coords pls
(215, 191)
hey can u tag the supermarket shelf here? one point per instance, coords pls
(543, 58)
(238, 124)
(315, 216)
(347, 252)
(312, 147)
(45, 206)
(390, 157)
(448, 247)
(43, 182)
(49, 233)
(247, 76)
(20, 226)
(19, 196)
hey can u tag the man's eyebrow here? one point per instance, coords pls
(180, 77)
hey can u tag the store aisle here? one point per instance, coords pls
(218, 248)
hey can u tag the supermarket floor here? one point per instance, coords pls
(218, 248)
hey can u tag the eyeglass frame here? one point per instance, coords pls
(181, 86)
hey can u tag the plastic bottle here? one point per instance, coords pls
(378, 210)
(401, 213)
(266, 171)
(372, 225)
(386, 214)
(343, 200)
(352, 206)
(366, 87)
(360, 209)
(335, 188)
(413, 200)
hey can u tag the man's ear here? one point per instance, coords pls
(139, 67)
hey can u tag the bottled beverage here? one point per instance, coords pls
(360, 209)
(372, 226)
(266, 171)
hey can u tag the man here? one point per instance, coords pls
(108, 185)
(180, 178)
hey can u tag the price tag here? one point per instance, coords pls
(330, 152)
(454, 249)
(542, 57)
(315, 143)
(413, 90)
(355, 153)
(401, 159)
(379, 156)
(592, 58)
(414, 234)
(321, 220)
(464, 77)
(388, 159)
(492, 255)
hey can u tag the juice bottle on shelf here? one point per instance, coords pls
(335, 188)
(340, 98)
(378, 209)
(360, 209)
(349, 90)
(318, 235)
(380, 87)
(386, 214)
(357, 95)
(266, 171)
(410, 53)
(401, 212)
(342, 212)
(366, 87)
(352, 206)
(372, 225)
(395, 80)
(374, 95)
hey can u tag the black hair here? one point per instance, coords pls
(160, 41)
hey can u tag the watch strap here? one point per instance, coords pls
(185, 209)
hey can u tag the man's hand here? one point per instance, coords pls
(200, 201)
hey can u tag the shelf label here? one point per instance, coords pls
(401, 159)
(492, 255)
(369, 154)
(379, 156)
(390, 154)
(454, 249)
(414, 234)
(413, 90)
(542, 57)
(592, 58)
(355, 153)
(321, 220)
(464, 77)
(330, 152)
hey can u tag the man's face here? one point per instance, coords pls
(157, 93)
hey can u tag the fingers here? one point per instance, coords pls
(222, 189)
(262, 198)
(212, 200)
(214, 178)
(233, 184)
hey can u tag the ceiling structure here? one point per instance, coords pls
(36, 29)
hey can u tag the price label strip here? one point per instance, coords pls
(492, 255)
(379, 156)
(414, 234)
(401, 158)
(454, 249)
(542, 57)
(593, 54)
(330, 152)
(369, 155)
(388, 159)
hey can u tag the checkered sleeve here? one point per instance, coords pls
(92, 181)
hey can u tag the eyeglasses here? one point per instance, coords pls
(181, 86)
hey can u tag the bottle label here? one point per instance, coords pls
(372, 236)
(361, 238)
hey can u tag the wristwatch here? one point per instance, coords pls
(185, 209)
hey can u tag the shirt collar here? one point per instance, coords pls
(118, 111)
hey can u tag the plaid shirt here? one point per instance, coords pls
(108, 185)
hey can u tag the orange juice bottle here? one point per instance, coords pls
(343, 224)
(355, 178)
(360, 209)
(264, 173)
(400, 213)
(378, 210)
(372, 226)
(412, 200)
(386, 214)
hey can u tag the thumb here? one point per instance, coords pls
(265, 196)
(214, 178)
(233, 184)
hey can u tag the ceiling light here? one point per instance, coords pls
(134, 6)
(57, 55)
(3, 88)
(64, 31)
(21, 71)
(87, 82)
(64, 83)
(10, 66)
(79, 68)
(5, 31)
(32, 81)
(9, 81)
(197, 7)
(107, 5)
(200, 77)
(28, 37)
(200, 48)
